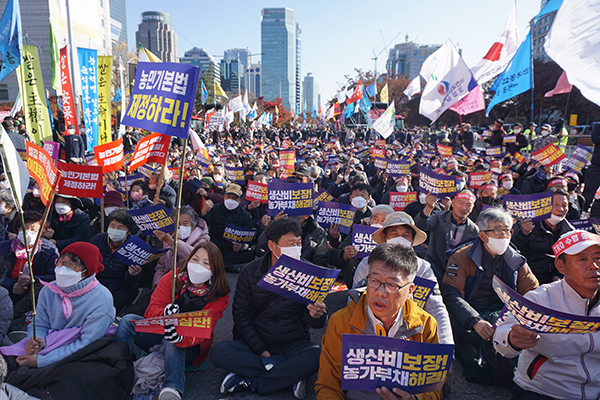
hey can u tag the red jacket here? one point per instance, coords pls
(162, 296)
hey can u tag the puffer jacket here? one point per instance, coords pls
(219, 216)
(561, 366)
(74, 230)
(44, 262)
(280, 321)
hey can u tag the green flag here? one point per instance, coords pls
(54, 61)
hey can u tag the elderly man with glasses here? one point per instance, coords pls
(384, 309)
(472, 303)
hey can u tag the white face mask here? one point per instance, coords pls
(346, 177)
(292, 251)
(62, 209)
(460, 185)
(545, 133)
(516, 131)
(3, 209)
(36, 193)
(218, 178)
(184, 232)
(66, 277)
(507, 185)
(422, 197)
(554, 219)
(230, 204)
(401, 188)
(198, 273)
(401, 241)
(116, 235)
(376, 226)
(31, 236)
(5, 184)
(497, 170)
(359, 202)
(108, 210)
(498, 246)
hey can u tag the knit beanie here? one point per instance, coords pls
(89, 254)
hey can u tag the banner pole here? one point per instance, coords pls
(102, 214)
(177, 211)
(159, 185)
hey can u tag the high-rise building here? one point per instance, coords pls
(310, 91)
(91, 28)
(406, 58)
(241, 54)
(233, 76)
(156, 34)
(253, 79)
(201, 58)
(539, 30)
(118, 21)
(280, 55)
(298, 70)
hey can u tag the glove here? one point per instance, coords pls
(171, 309)
(171, 335)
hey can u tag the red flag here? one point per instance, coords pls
(336, 109)
(110, 155)
(357, 95)
(80, 180)
(67, 91)
(562, 86)
(41, 168)
(152, 148)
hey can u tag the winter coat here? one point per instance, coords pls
(219, 216)
(74, 230)
(116, 275)
(44, 262)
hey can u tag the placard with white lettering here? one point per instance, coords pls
(336, 213)
(236, 234)
(362, 240)
(422, 290)
(137, 252)
(291, 198)
(437, 184)
(152, 218)
(397, 168)
(536, 207)
(399, 201)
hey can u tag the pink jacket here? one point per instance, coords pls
(184, 248)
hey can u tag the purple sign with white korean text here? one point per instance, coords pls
(361, 239)
(137, 252)
(536, 207)
(422, 291)
(153, 218)
(439, 185)
(330, 213)
(291, 198)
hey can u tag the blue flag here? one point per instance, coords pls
(117, 96)
(88, 72)
(11, 40)
(203, 93)
(349, 110)
(364, 104)
(314, 112)
(551, 5)
(372, 90)
(516, 78)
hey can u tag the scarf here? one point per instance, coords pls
(63, 218)
(188, 286)
(19, 249)
(66, 302)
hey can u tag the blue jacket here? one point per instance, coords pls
(74, 230)
(74, 147)
(43, 262)
(115, 275)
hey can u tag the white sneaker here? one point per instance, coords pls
(168, 393)
(299, 389)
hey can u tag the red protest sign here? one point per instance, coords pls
(41, 167)
(399, 201)
(288, 158)
(380, 142)
(444, 151)
(548, 155)
(519, 157)
(175, 171)
(110, 155)
(80, 180)
(377, 153)
(257, 191)
(152, 148)
(195, 324)
(476, 179)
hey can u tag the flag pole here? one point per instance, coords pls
(177, 212)
(159, 185)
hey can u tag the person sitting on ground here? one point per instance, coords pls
(8, 391)
(8, 214)
(385, 309)
(139, 195)
(272, 349)
(558, 365)
(69, 224)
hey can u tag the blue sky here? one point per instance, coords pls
(338, 36)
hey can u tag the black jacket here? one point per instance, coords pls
(74, 230)
(116, 275)
(262, 318)
(314, 242)
(43, 262)
(521, 143)
(468, 139)
(219, 216)
(497, 138)
(533, 185)
(596, 140)
(74, 147)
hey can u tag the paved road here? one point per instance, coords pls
(205, 384)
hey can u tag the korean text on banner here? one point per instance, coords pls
(235, 234)
(41, 167)
(53, 149)
(377, 152)
(437, 184)
(399, 201)
(236, 174)
(444, 151)
(257, 192)
(67, 90)
(548, 155)
(88, 73)
(362, 240)
(397, 168)
(152, 218)
(370, 362)
(298, 280)
(162, 99)
(580, 157)
(291, 198)
(104, 98)
(322, 195)
(422, 290)
(536, 207)
(152, 148)
(539, 318)
(31, 86)
(494, 151)
(195, 324)
(476, 179)
(137, 252)
(110, 155)
(330, 213)
(80, 180)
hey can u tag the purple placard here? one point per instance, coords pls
(437, 184)
(336, 213)
(137, 252)
(125, 185)
(536, 207)
(370, 362)
(322, 195)
(542, 319)
(361, 239)
(580, 157)
(153, 218)
(236, 174)
(298, 280)
(494, 151)
(422, 291)
(397, 168)
(291, 198)
(236, 234)
(53, 149)
(583, 224)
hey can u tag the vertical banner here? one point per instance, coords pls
(104, 81)
(31, 86)
(88, 73)
(67, 90)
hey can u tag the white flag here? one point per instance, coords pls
(574, 43)
(385, 124)
(429, 64)
(17, 106)
(414, 87)
(329, 113)
(341, 96)
(451, 80)
(236, 104)
(16, 167)
(501, 52)
(123, 108)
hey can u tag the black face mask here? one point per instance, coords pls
(571, 186)
(487, 200)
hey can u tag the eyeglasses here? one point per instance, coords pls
(68, 264)
(501, 231)
(389, 287)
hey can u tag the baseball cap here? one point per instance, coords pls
(235, 189)
(574, 242)
(395, 219)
